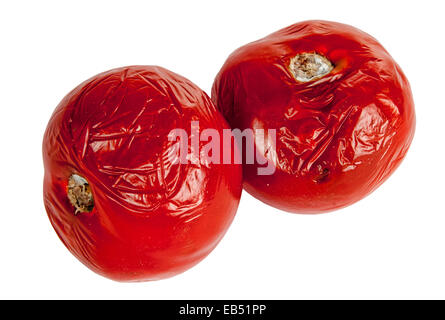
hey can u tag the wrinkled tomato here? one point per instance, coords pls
(112, 189)
(340, 107)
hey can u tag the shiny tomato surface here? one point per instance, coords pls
(341, 107)
(142, 216)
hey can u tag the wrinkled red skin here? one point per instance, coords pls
(338, 137)
(152, 219)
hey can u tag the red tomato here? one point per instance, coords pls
(341, 107)
(111, 190)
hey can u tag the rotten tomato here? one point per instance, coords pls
(330, 110)
(113, 189)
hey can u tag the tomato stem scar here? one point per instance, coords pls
(79, 193)
(309, 66)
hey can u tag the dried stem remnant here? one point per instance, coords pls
(79, 193)
(309, 66)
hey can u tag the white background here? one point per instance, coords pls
(389, 245)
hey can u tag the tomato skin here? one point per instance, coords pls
(338, 137)
(151, 219)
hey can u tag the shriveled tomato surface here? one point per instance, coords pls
(341, 107)
(112, 190)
